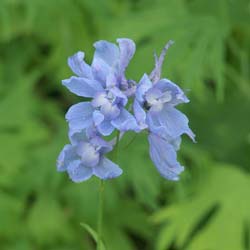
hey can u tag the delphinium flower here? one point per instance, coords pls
(84, 157)
(154, 108)
(105, 83)
(108, 91)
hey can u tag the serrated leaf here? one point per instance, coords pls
(214, 218)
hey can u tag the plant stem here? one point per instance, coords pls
(101, 199)
(100, 215)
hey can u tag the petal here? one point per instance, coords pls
(77, 136)
(169, 123)
(152, 96)
(155, 75)
(107, 169)
(127, 50)
(110, 111)
(105, 128)
(177, 94)
(144, 85)
(104, 146)
(120, 96)
(79, 116)
(164, 157)
(140, 115)
(100, 99)
(82, 86)
(78, 172)
(92, 131)
(67, 155)
(100, 70)
(176, 143)
(125, 121)
(106, 51)
(88, 153)
(98, 117)
(78, 66)
(112, 79)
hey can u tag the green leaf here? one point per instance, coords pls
(47, 221)
(93, 233)
(215, 217)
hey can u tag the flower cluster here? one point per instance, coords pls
(107, 90)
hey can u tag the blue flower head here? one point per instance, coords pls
(154, 109)
(84, 157)
(105, 83)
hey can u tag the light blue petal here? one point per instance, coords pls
(82, 86)
(67, 155)
(78, 172)
(120, 96)
(143, 86)
(164, 157)
(169, 123)
(88, 153)
(98, 117)
(100, 70)
(177, 94)
(155, 75)
(99, 99)
(176, 143)
(79, 67)
(111, 80)
(106, 51)
(107, 169)
(110, 111)
(102, 145)
(127, 50)
(105, 61)
(105, 128)
(125, 121)
(79, 116)
(140, 115)
(77, 136)
(92, 131)
(152, 96)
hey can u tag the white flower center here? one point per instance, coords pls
(88, 153)
(155, 98)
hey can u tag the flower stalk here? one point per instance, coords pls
(101, 198)
(100, 215)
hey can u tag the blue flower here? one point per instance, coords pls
(105, 83)
(108, 91)
(84, 157)
(155, 109)
(163, 154)
(155, 101)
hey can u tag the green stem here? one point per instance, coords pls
(100, 215)
(101, 199)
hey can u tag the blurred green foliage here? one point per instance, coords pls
(209, 209)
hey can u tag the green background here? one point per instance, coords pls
(208, 209)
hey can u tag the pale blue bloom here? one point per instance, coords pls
(154, 107)
(84, 157)
(155, 110)
(104, 81)
(163, 154)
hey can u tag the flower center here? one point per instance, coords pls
(89, 154)
(155, 98)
